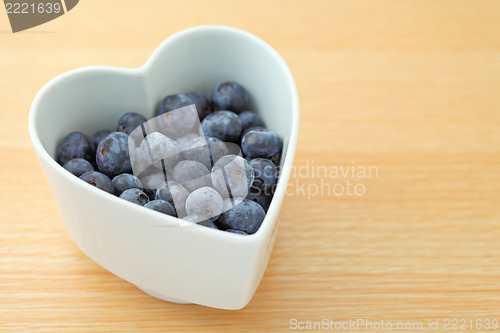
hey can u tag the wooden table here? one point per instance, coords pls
(408, 88)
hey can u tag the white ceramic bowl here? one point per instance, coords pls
(149, 249)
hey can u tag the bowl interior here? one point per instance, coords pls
(193, 60)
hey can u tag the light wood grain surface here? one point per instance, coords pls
(411, 88)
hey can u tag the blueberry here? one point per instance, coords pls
(261, 143)
(161, 206)
(201, 220)
(173, 102)
(250, 119)
(74, 145)
(175, 123)
(234, 231)
(172, 191)
(99, 180)
(78, 166)
(206, 150)
(129, 121)
(253, 128)
(175, 194)
(191, 174)
(135, 195)
(204, 201)
(203, 105)
(157, 147)
(260, 197)
(98, 137)
(265, 172)
(246, 216)
(232, 176)
(151, 180)
(223, 125)
(124, 182)
(229, 96)
(112, 155)
(184, 141)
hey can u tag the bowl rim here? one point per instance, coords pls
(274, 208)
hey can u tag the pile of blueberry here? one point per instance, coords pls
(207, 161)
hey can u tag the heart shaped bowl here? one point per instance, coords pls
(168, 258)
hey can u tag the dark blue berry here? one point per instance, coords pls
(223, 125)
(246, 216)
(261, 197)
(129, 121)
(172, 102)
(112, 154)
(276, 158)
(203, 105)
(229, 96)
(98, 137)
(99, 180)
(161, 206)
(265, 172)
(136, 196)
(74, 145)
(253, 128)
(250, 119)
(78, 166)
(239, 232)
(124, 182)
(261, 143)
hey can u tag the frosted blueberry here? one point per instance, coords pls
(184, 141)
(191, 174)
(204, 201)
(206, 150)
(232, 176)
(157, 147)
